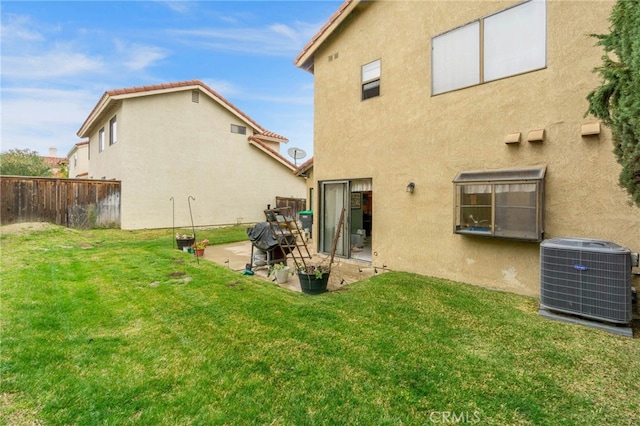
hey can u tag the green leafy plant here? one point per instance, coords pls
(617, 100)
(279, 267)
(200, 244)
(317, 270)
(23, 162)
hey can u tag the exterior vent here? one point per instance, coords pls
(195, 96)
(586, 278)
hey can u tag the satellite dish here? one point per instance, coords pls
(296, 154)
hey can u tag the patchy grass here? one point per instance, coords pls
(117, 327)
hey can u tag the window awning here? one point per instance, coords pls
(501, 175)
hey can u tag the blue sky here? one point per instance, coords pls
(58, 58)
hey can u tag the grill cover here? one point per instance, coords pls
(262, 237)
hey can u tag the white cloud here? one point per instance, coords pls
(284, 30)
(224, 88)
(52, 64)
(272, 40)
(18, 27)
(177, 6)
(41, 118)
(138, 57)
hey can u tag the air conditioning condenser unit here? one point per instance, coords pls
(587, 279)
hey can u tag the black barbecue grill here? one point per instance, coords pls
(263, 238)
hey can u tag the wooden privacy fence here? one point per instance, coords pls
(76, 203)
(296, 204)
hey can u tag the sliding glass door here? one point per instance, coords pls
(335, 201)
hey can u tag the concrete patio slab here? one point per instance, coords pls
(236, 256)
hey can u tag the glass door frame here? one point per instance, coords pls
(325, 243)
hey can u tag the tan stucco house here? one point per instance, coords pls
(169, 142)
(78, 159)
(454, 135)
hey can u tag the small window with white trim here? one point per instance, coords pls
(113, 130)
(101, 140)
(500, 203)
(371, 80)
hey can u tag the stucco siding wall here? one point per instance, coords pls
(107, 163)
(406, 134)
(178, 148)
(80, 164)
(169, 146)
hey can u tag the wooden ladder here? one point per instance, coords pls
(284, 226)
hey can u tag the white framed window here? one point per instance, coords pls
(513, 42)
(75, 160)
(456, 59)
(500, 203)
(113, 130)
(371, 80)
(101, 140)
(241, 130)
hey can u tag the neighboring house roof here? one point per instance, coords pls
(111, 97)
(54, 161)
(305, 58)
(304, 168)
(76, 146)
(258, 142)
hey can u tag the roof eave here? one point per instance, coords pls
(305, 58)
(304, 168)
(109, 98)
(256, 142)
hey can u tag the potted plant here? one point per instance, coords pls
(198, 247)
(313, 278)
(184, 241)
(281, 271)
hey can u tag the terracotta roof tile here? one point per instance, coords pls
(55, 161)
(271, 150)
(274, 135)
(323, 29)
(177, 85)
(304, 167)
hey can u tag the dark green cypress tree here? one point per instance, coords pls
(617, 101)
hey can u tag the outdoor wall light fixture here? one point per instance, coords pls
(411, 187)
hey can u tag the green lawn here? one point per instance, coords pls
(117, 327)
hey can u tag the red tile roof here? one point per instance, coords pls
(54, 161)
(311, 45)
(173, 86)
(255, 140)
(304, 167)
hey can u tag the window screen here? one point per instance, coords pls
(371, 80)
(515, 41)
(500, 203)
(456, 59)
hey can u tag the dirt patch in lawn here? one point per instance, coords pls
(26, 228)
